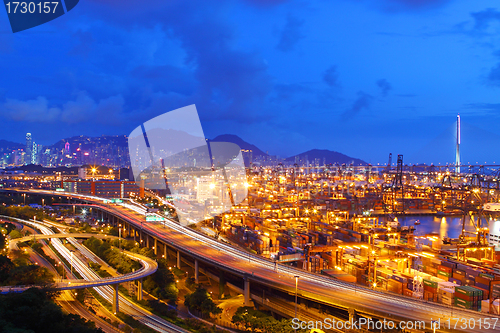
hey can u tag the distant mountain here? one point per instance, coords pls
(240, 142)
(8, 146)
(330, 157)
(86, 142)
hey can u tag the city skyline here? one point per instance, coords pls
(390, 77)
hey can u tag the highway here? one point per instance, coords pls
(149, 266)
(68, 304)
(310, 285)
(126, 306)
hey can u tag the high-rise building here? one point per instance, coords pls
(29, 148)
(34, 153)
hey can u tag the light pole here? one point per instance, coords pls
(296, 288)
(119, 236)
(434, 324)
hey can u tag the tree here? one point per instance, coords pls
(15, 234)
(2, 239)
(200, 300)
(30, 275)
(261, 321)
(44, 315)
(6, 266)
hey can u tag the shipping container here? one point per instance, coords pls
(430, 284)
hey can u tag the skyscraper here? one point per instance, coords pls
(29, 148)
(34, 153)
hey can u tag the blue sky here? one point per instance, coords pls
(362, 77)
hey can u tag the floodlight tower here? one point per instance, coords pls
(457, 157)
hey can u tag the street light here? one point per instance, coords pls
(296, 287)
(434, 324)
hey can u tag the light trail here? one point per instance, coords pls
(107, 292)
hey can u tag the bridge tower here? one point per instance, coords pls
(457, 155)
(398, 186)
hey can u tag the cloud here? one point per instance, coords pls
(166, 78)
(494, 75)
(363, 101)
(35, 111)
(81, 110)
(291, 34)
(419, 3)
(384, 86)
(266, 2)
(408, 5)
(330, 76)
(208, 69)
(487, 109)
(483, 19)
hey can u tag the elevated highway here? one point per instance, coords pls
(108, 292)
(361, 301)
(149, 266)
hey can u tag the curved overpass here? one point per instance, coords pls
(311, 286)
(149, 266)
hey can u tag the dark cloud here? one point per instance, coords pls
(363, 102)
(494, 75)
(85, 40)
(266, 2)
(419, 3)
(484, 18)
(224, 82)
(166, 78)
(384, 86)
(291, 34)
(288, 91)
(405, 5)
(330, 76)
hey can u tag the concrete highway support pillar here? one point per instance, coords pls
(139, 290)
(196, 271)
(116, 307)
(353, 317)
(178, 259)
(165, 252)
(155, 248)
(147, 241)
(222, 284)
(246, 291)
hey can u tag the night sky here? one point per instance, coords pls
(362, 77)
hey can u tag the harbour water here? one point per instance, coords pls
(444, 226)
